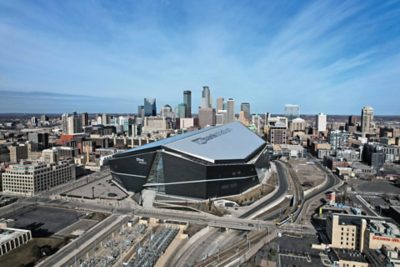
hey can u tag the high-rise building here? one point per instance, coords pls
(321, 122)
(187, 100)
(105, 119)
(245, 107)
(230, 103)
(206, 117)
(39, 141)
(292, 111)
(18, 152)
(220, 117)
(85, 119)
(278, 134)
(181, 110)
(140, 112)
(44, 118)
(166, 111)
(367, 117)
(220, 103)
(206, 97)
(338, 139)
(150, 107)
(74, 124)
(64, 122)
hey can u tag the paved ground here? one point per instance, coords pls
(78, 227)
(43, 221)
(103, 189)
(376, 186)
(293, 251)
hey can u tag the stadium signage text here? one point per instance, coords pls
(206, 139)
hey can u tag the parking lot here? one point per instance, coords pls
(43, 221)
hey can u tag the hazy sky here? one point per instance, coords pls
(106, 56)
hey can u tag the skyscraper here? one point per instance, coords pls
(367, 117)
(140, 111)
(64, 122)
(230, 103)
(292, 111)
(187, 100)
(181, 111)
(206, 117)
(321, 122)
(206, 98)
(245, 107)
(85, 119)
(220, 103)
(74, 124)
(150, 107)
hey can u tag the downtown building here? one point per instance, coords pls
(212, 162)
(34, 177)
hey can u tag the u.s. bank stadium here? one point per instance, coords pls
(212, 162)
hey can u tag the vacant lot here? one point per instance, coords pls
(30, 253)
(309, 174)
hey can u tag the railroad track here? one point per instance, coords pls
(223, 257)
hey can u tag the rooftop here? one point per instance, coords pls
(232, 141)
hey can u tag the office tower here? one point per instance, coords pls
(85, 119)
(220, 103)
(367, 117)
(278, 134)
(105, 119)
(206, 117)
(39, 141)
(245, 107)
(44, 118)
(18, 152)
(321, 122)
(187, 100)
(166, 111)
(206, 98)
(221, 117)
(150, 107)
(352, 120)
(37, 176)
(74, 124)
(292, 111)
(64, 122)
(230, 103)
(338, 139)
(181, 111)
(140, 112)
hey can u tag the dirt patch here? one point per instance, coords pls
(97, 216)
(308, 173)
(192, 229)
(32, 252)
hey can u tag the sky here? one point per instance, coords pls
(106, 56)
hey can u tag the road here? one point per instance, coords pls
(282, 191)
(84, 243)
(332, 181)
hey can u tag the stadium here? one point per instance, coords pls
(212, 162)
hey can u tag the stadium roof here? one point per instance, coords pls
(230, 142)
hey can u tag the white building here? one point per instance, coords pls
(34, 177)
(321, 122)
(11, 239)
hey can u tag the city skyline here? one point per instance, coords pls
(108, 57)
